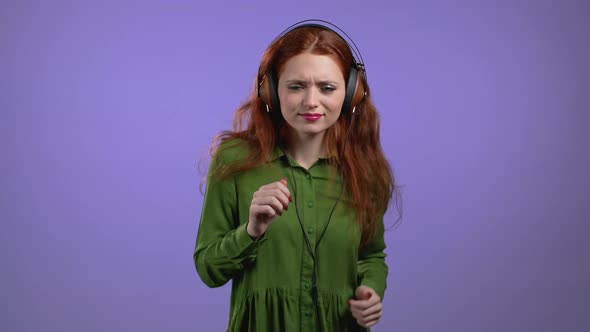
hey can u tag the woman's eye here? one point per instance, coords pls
(328, 88)
(295, 87)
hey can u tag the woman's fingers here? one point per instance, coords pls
(280, 185)
(265, 211)
(367, 321)
(361, 305)
(270, 201)
(372, 310)
(367, 310)
(373, 317)
(277, 189)
(277, 193)
(370, 314)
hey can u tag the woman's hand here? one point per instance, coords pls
(267, 202)
(367, 309)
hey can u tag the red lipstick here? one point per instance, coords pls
(311, 116)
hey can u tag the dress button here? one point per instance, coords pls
(310, 230)
(308, 314)
(308, 176)
(309, 204)
(306, 285)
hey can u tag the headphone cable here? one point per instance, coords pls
(313, 252)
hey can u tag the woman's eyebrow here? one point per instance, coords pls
(305, 81)
(295, 81)
(328, 82)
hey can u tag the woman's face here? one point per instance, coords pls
(311, 93)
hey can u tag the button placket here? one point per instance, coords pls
(309, 216)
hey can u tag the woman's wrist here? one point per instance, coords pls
(252, 232)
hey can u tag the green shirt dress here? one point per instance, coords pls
(272, 277)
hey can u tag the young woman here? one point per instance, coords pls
(296, 193)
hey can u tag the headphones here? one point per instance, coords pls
(356, 86)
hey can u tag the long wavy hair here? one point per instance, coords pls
(368, 178)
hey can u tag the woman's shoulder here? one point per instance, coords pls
(232, 150)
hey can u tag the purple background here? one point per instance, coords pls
(107, 108)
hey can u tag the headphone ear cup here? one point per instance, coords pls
(267, 91)
(264, 91)
(355, 89)
(359, 90)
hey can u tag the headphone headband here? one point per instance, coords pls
(358, 57)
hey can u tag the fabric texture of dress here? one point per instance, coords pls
(272, 277)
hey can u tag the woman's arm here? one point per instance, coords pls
(371, 267)
(223, 247)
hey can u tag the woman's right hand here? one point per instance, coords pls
(268, 201)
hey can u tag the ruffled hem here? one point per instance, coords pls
(279, 309)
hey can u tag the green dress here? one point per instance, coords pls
(272, 277)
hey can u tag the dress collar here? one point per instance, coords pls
(279, 152)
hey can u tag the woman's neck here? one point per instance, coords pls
(306, 149)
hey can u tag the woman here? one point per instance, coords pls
(293, 210)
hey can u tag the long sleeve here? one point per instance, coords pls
(371, 267)
(223, 247)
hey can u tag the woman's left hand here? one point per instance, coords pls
(367, 308)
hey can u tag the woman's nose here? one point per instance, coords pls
(310, 100)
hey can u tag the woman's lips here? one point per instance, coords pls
(311, 116)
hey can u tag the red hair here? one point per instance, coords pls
(368, 178)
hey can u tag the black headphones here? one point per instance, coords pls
(356, 86)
